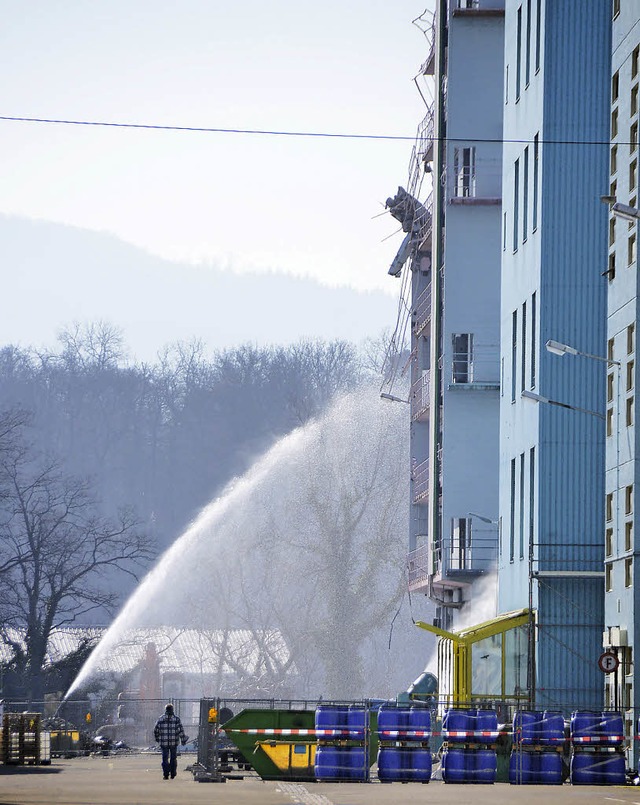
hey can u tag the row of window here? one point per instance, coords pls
(519, 476)
(629, 369)
(526, 170)
(628, 574)
(524, 46)
(628, 503)
(523, 335)
(628, 173)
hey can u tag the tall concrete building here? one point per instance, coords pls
(452, 250)
(554, 251)
(622, 628)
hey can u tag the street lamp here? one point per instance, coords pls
(558, 348)
(393, 398)
(624, 211)
(530, 395)
(484, 519)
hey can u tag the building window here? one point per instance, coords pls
(521, 505)
(612, 230)
(523, 366)
(534, 223)
(608, 542)
(462, 364)
(609, 421)
(514, 353)
(464, 169)
(532, 492)
(634, 100)
(610, 388)
(631, 366)
(532, 362)
(628, 572)
(504, 231)
(611, 270)
(538, 32)
(609, 507)
(628, 499)
(615, 87)
(616, 8)
(633, 137)
(525, 194)
(613, 162)
(633, 175)
(631, 339)
(513, 511)
(629, 416)
(608, 577)
(518, 54)
(614, 123)
(610, 349)
(460, 542)
(516, 202)
(631, 249)
(527, 62)
(628, 535)
(635, 57)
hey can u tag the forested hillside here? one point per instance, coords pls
(163, 438)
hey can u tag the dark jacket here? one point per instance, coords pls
(168, 730)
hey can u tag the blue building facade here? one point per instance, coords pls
(554, 253)
(621, 626)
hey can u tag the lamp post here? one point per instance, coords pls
(393, 398)
(620, 210)
(558, 348)
(530, 395)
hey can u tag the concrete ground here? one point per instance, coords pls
(137, 780)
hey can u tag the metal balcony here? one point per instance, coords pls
(420, 478)
(460, 562)
(419, 397)
(422, 312)
(418, 569)
(476, 368)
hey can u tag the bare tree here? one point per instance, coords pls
(57, 549)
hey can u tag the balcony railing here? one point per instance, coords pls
(471, 179)
(419, 395)
(487, 6)
(467, 558)
(422, 313)
(420, 478)
(418, 568)
(479, 365)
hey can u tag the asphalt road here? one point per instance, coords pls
(137, 780)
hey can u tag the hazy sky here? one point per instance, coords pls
(302, 205)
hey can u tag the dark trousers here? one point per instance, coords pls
(169, 760)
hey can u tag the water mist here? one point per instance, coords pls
(310, 544)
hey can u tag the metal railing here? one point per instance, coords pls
(418, 567)
(472, 555)
(423, 310)
(420, 478)
(419, 395)
(478, 364)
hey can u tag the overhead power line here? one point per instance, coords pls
(282, 133)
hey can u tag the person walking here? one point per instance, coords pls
(168, 733)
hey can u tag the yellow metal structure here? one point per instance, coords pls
(457, 675)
